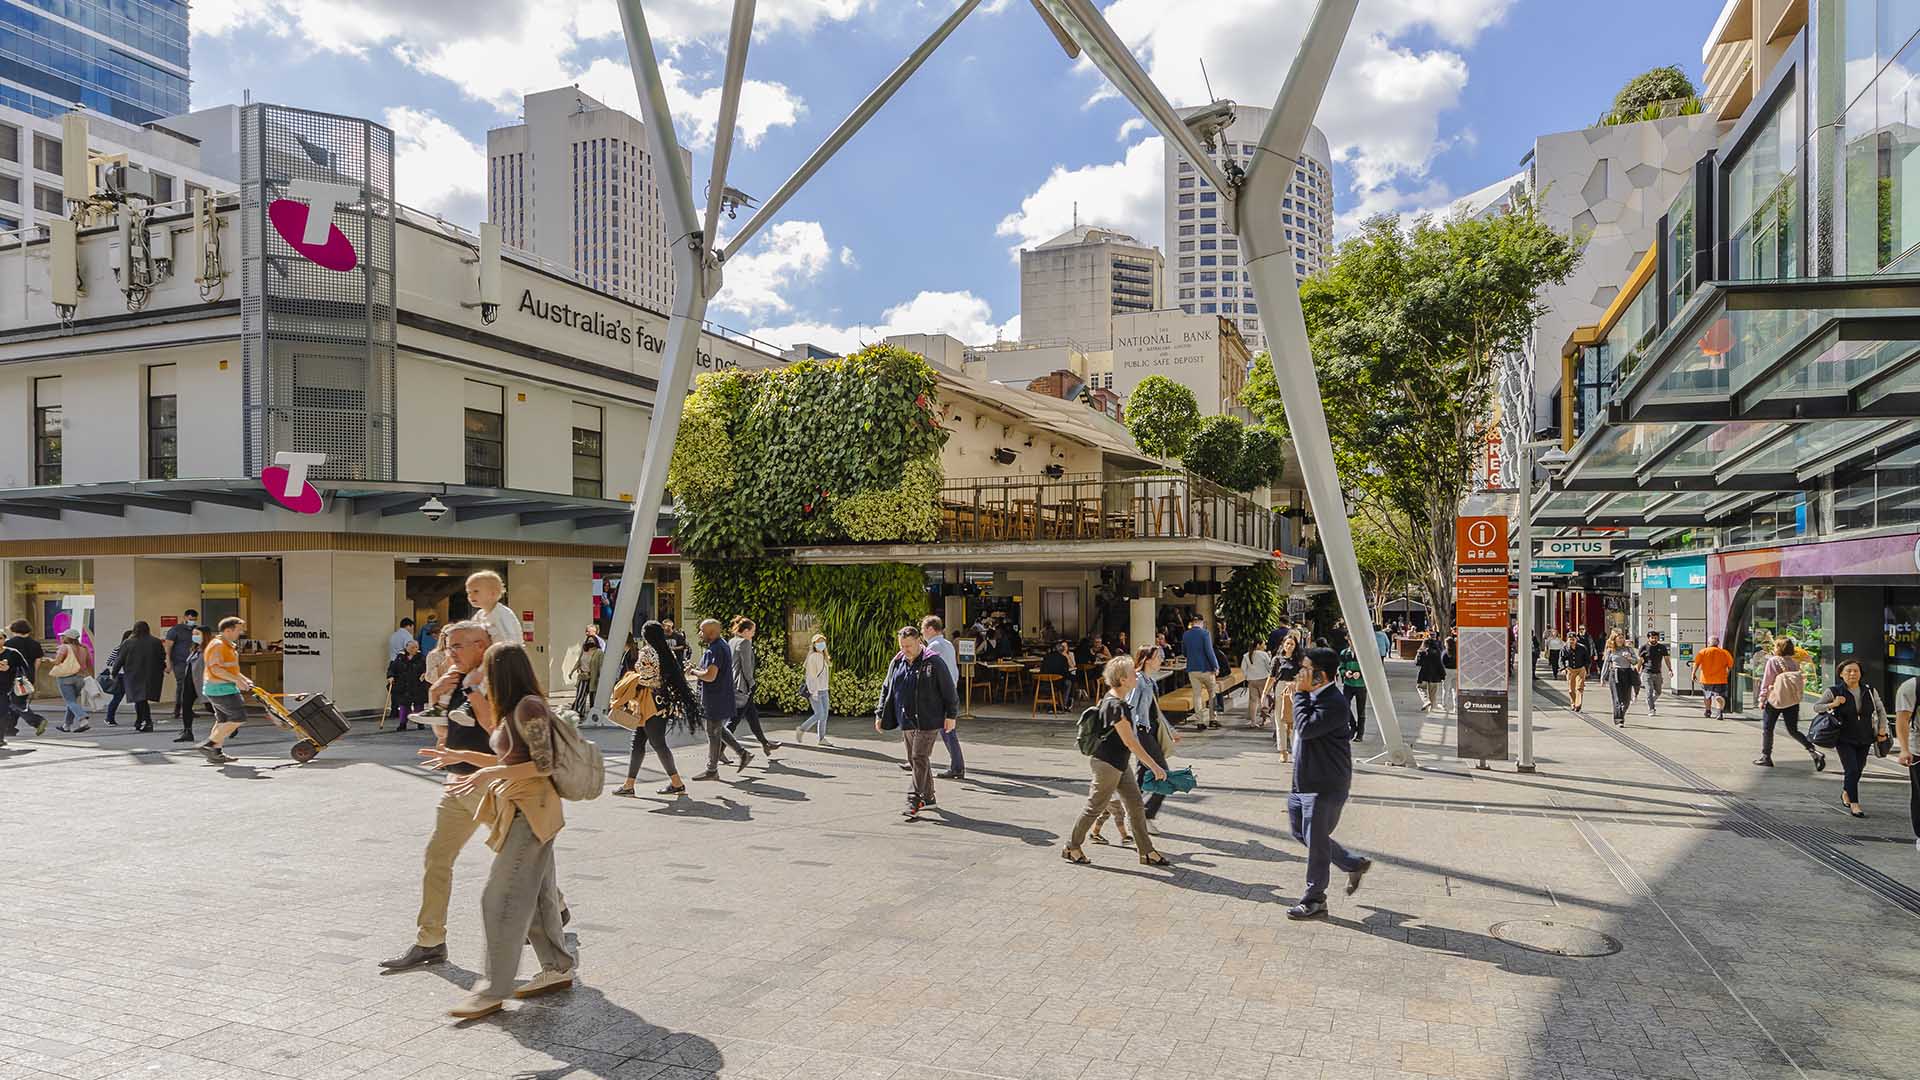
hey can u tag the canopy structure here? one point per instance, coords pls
(1253, 197)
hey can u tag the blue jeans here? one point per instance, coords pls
(70, 693)
(957, 764)
(113, 703)
(1313, 819)
(818, 721)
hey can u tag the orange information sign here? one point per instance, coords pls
(1480, 615)
(1481, 541)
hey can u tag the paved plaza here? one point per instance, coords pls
(167, 918)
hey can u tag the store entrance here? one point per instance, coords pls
(437, 588)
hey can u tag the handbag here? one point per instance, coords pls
(1825, 730)
(1177, 781)
(92, 695)
(109, 682)
(69, 666)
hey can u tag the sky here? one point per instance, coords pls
(916, 225)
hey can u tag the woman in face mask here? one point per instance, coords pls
(819, 663)
(190, 693)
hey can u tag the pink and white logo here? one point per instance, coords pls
(304, 219)
(286, 481)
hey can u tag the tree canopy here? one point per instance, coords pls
(1661, 91)
(1406, 326)
(1163, 416)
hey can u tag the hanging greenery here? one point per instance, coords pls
(769, 458)
(858, 607)
(1253, 600)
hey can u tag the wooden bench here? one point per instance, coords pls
(1180, 701)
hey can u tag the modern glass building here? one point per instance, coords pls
(123, 58)
(1752, 400)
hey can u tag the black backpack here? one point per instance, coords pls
(1092, 729)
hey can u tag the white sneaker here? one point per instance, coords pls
(545, 983)
(475, 1006)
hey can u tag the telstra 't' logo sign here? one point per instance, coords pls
(304, 219)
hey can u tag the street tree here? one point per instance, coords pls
(1384, 564)
(1406, 327)
(1163, 416)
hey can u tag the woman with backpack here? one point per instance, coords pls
(655, 693)
(1621, 673)
(1430, 673)
(1856, 718)
(1110, 742)
(1781, 687)
(521, 808)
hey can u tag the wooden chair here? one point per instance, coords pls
(1043, 687)
(982, 680)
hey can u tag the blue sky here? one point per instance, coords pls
(913, 226)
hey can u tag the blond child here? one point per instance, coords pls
(485, 591)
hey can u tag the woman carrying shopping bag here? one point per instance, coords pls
(72, 667)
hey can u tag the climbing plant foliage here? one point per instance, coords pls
(859, 608)
(815, 452)
(1252, 601)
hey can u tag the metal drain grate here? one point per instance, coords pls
(1554, 938)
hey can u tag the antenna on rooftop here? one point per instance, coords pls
(1209, 82)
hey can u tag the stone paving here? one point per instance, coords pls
(166, 918)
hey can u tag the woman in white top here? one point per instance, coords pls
(819, 663)
(1257, 666)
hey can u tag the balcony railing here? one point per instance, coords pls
(1088, 507)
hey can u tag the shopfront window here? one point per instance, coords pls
(163, 424)
(1801, 612)
(47, 592)
(1679, 242)
(46, 431)
(588, 463)
(1763, 198)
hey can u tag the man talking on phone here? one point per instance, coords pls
(1322, 779)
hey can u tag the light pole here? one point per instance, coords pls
(1553, 461)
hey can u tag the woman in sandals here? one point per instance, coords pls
(519, 805)
(1109, 765)
(655, 693)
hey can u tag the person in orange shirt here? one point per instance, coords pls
(223, 687)
(1712, 671)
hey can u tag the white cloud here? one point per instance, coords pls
(1122, 195)
(1132, 126)
(1382, 109)
(962, 314)
(1010, 330)
(789, 252)
(438, 169)
(497, 50)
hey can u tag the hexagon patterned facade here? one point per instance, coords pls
(1611, 184)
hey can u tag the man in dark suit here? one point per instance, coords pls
(1322, 779)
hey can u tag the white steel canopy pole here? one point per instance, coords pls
(693, 286)
(1269, 257)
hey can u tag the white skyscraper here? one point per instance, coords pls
(1073, 285)
(1203, 271)
(573, 184)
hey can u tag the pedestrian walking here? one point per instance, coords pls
(746, 684)
(1202, 670)
(1782, 685)
(110, 674)
(487, 592)
(464, 728)
(933, 631)
(1322, 782)
(1157, 740)
(187, 693)
(1857, 719)
(397, 640)
(23, 657)
(521, 902)
(181, 643)
(1555, 646)
(1903, 699)
(1430, 673)
(1621, 673)
(717, 697)
(1382, 641)
(1579, 660)
(1119, 742)
(919, 701)
(406, 684)
(430, 635)
(140, 668)
(654, 694)
(1353, 684)
(586, 674)
(816, 670)
(72, 666)
(223, 686)
(1256, 667)
(1713, 671)
(1450, 669)
(1656, 664)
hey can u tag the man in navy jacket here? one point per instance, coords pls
(1322, 779)
(1203, 669)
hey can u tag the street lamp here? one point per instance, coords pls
(1554, 460)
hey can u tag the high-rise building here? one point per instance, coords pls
(1204, 275)
(573, 184)
(127, 60)
(1073, 285)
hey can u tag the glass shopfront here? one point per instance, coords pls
(47, 593)
(1804, 613)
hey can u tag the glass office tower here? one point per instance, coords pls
(124, 58)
